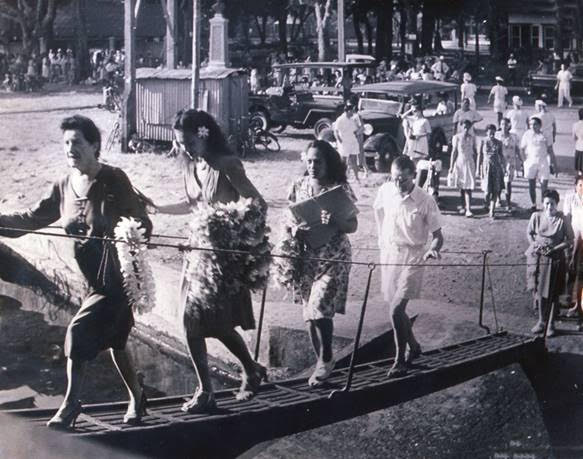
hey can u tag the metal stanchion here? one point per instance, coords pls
(480, 321)
(260, 325)
(346, 388)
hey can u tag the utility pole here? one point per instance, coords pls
(195, 52)
(129, 100)
(171, 32)
(341, 47)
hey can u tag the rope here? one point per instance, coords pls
(185, 247)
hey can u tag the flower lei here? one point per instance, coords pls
(138, 279)
(287, 270)
(237, 226)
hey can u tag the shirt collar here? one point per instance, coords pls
(413, 195)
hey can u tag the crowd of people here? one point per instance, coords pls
(93, 197)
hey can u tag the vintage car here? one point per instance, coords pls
(381, 106)
(543, 85)
(298, 105)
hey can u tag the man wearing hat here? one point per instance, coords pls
(549, 124)
(499, 93)
(348, 132)
(468, 90)
(511, 64)
(440, 69)
(518, 117)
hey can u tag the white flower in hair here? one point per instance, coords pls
(203, 132)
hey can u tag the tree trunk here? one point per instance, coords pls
(460, 32)
(283, 30)
(381, 38)
(427, 28)
(322, 14)
(81, 48)
(437, 45)
(476, 25)
(356, 20)
(402, 26)
(369, 38)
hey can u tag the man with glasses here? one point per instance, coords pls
(406, 216)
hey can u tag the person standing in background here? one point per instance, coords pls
(347, 129)
(511, 64)
(499, 93)
(563, 86)
(577, 131)
(468, 90)
(518, 117)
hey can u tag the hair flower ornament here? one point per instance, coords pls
(203, 132)
(138, 279)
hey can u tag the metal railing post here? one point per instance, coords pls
(260, 325)
(346, 388)
(484, 261)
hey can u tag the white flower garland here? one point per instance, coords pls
(138, 279)
(232, 226)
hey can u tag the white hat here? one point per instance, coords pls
(467, 77)
(516, 100)
(499, 78)
(441, 58)
(540, 102)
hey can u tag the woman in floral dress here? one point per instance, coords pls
(511, 152)
(549, 234)
(491, 165)
(212, 174)
(323, 285)
(463, 165)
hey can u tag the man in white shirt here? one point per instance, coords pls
(347, 130)
(538, 156)
(511, 64)
(577, 132)
(518, 117)
(549, 124)
(465, 113)
(406, 216)
(563, 86)
(440, 69)
(499, 93)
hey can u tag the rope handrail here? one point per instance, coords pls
(186, 247)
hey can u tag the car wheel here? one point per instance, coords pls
(321, 124)
(387, 152)
(259, 119)
(437, 143)
(279, 128)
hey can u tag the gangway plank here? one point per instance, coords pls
(287, 407)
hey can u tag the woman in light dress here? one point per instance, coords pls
(573, 211)
(511, 152)
(468, 90)
(463, 165)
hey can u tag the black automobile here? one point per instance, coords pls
(299, 104)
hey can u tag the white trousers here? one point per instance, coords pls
(564, 93)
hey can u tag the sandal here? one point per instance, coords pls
(538, 328)
(412, 354)
(398, 370)
(66, 417)
(201, 402)
(321, 373)
(250, 385)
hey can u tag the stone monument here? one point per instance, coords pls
(219, 40)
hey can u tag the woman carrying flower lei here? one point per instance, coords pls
(214, 179)
(321, 285)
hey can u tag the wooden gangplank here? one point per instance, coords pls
(288, 407)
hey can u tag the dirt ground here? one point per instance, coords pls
(497, 413)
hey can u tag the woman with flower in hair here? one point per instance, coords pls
(323, 285)
(212, 175)
(89, 202)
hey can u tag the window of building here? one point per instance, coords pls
(515, 36)
(549, 37)
(535, 36)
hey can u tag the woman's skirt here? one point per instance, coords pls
(103, 322)
(204, 319)
(546, 276)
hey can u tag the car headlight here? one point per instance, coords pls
(368, 129)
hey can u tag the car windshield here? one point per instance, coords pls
(383, 105)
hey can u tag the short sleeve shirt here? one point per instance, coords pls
(535, 145)
(409, 220)
(518, 120)
(348, 128)
(461, 116)
(578, 135)
(564, 77)
(547, 119)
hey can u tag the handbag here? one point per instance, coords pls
(451, 179)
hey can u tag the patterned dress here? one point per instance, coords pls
(492, 167)
(222, 181)
(510, 145)
(323, 286)
(546, 274)
(105, 318)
